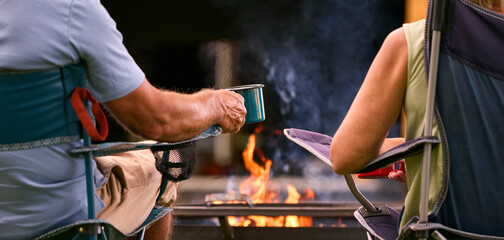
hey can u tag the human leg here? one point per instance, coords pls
(161, 229)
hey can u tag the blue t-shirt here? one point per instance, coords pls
(44, 188)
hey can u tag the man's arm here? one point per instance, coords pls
(170, 116)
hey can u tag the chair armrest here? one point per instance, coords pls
(407, 149)
(319, 145)
(109, 148)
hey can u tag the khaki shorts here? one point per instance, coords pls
(131, 189)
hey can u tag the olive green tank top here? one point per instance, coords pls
(414, 107)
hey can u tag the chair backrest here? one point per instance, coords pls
(41, 108)
(469, 110)
(467, 69)
(31, 115)
(36, 112)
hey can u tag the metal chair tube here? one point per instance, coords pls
(358, 195)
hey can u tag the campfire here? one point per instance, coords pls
(262, 207)
(258, 187)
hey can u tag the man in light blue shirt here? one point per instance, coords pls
(42, 188)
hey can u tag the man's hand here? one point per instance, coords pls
(233, 111)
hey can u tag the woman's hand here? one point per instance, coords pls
(398, 175)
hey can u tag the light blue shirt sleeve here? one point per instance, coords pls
(112, 72)
(37, 34)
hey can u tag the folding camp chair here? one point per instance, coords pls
(93, 228)
(464, 52)
(379, 220)
(47, 121)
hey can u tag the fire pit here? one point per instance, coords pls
(214, 220)
(265, 233)
(259, 206)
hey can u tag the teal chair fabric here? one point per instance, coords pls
(47, 117)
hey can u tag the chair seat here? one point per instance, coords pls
(447, 232)
(382, 226)
(77, 230)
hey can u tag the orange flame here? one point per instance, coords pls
(259, 189)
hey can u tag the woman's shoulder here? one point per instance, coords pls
(395, 40)
(415, 28)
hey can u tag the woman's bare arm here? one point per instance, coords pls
(375, 108)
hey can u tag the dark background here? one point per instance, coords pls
(311, 55)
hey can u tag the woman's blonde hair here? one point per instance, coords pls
(483, 3)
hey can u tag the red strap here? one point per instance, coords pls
(80, 94)
(378, 173)
(382, 172)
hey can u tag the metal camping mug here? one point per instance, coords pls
(253, 101)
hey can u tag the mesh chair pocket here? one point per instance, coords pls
(175, 163)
